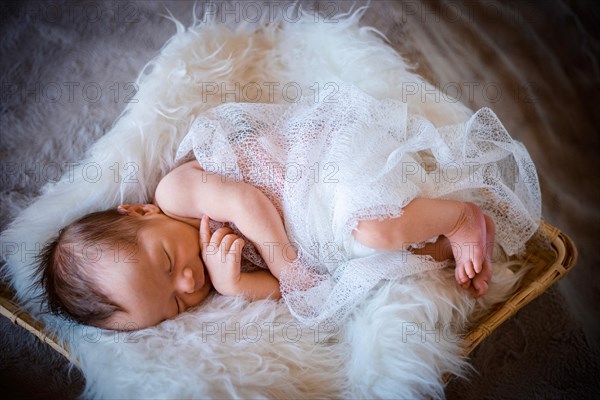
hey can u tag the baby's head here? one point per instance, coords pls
(124, 269)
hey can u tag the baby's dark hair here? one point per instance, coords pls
(70, 264)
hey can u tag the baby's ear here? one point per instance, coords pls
(138, 210)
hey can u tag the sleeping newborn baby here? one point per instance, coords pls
(313, 202)
(138, 265)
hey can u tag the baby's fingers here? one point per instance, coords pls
(235, 252)
(218, 237)
(237, 247)
(229, 242)
(204, 235)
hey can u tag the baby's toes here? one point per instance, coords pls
(487, 272)
(477, 263)
(481, 286)
(462, 278)
(470, 270)
(461, 275)
(478, 258)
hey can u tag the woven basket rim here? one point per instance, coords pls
(565, 258)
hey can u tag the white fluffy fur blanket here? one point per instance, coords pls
(398, 344)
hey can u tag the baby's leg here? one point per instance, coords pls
(462, 223)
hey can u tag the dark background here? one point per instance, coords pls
(544, 58)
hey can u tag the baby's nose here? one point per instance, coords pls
(186, 282)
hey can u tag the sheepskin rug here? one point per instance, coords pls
(398, 344)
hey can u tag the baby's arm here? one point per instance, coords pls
(189, 192)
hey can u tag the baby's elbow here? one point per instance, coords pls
(253, 200)
(160, 193)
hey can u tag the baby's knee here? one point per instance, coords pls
(376, 235)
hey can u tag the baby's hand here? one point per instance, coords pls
(222, 255)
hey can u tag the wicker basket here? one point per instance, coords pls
(548, 267)
(11, 310)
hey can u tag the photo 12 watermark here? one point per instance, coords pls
(252, 332)
(266, 11)
(424, 332)
(271, 172)
(69, 92)
(469, 92)
(270, 331)
(126, 172)
(467, 12)
(83, 12)
(268, 91)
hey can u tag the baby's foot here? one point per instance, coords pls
(481, 280)
(468, 240)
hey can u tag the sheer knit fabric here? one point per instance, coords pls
(327, 164)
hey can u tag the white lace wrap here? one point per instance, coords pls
(326, 165)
